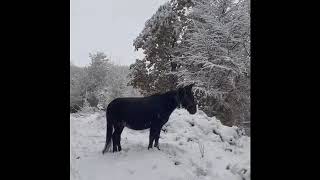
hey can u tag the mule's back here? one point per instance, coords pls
(136, 113)
(132, 105)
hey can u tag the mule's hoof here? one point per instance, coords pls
(157, 146)
(149, 147)
(104, 151)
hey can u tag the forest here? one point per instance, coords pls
(185, 41)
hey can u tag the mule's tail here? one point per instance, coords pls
(108, 135)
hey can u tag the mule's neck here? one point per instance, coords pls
(173, 101)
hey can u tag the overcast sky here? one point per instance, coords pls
(109, 26)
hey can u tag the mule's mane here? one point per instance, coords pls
(172, 92)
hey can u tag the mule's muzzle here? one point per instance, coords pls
(192, 109)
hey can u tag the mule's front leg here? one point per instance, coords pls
(157, 136)
(150, 142)
(151, 137)
(156, 142)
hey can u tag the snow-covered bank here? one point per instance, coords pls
(192, 147)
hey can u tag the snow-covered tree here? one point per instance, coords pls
(117, 85)
(77, 86)
(157, 40)
(201, 41)
(98, 71)
(139, 77)
(214, 53)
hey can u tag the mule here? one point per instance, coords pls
(139, 113)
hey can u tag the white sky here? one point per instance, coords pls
(109, 26)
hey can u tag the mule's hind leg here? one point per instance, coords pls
(119, 137)
(114, 141)
(116, 136)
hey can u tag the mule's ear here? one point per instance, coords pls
(181, 92)
(190, 86)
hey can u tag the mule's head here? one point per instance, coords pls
(186, 99)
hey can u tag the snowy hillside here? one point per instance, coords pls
(184, 139)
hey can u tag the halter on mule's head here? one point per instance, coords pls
(186, 99)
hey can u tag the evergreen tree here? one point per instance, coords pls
(158, 40)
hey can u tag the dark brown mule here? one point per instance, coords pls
(145, 112)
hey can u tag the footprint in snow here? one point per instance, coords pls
(126, 149)
(154, 166)
(131, 171)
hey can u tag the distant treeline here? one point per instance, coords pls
(99, 83)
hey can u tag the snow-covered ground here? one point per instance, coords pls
(226, 152)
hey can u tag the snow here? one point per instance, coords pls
(226, 151)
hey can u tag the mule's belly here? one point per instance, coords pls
(135, 114)
(137, 125)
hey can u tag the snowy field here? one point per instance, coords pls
(193, 147)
